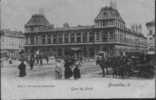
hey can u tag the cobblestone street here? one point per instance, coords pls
(44, 75)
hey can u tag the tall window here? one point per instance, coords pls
(84, 37)
(112, 35)
(60, 38)
(66, 37)
(97, 36)
(91, 37)
(32, 40)
(55, 39)
(72, 38)
(105, 37)
(150, 32)
(49, 39)
(43, 39)
(78, 37)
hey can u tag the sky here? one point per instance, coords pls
(16, 13)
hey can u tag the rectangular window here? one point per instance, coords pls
(104, 37)
(32, 40)
(84, 37)
(49, 39)
(91, 37)
(43, 39)
(97, 36)
(66, 37)
(78, 37)
(60, 38)
(72, 38)
(55, 39)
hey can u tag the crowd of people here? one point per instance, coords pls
(71, 65)
(117, 66)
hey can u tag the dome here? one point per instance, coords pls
(37, 20)
(108, 13)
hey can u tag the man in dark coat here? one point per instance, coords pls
(68, 72)
(22, 69)
(76, 71)
(22, 66)
(32, 60)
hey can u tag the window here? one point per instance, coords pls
(91, 37)
(55, 39)
(150, 38)
(104, 37)
(111, 36)
(72, 38)
(97, 36)
(32, 40)
(43, 39)
(150, 32)
(84, 37)
(79, 37)
(66, 37)
(49, 39)
(60, 37)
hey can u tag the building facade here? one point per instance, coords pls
(151, 37)
(11, 43)
(109, 34)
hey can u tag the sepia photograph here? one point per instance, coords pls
(77, 49)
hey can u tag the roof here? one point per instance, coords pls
(108, 13)
(69, 28)
(151, 23)
(37, 20)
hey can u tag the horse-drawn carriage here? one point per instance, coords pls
(135, 65)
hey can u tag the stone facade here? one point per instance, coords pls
(109, 34)
(151, 37)
(11, 43)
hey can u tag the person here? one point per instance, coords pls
(76, 71)
(22, 69)
(32, 60)
(47, 59)
(10, 61)
(102, 64)
(40, 59)
(22, 66)
(67, 72)
(58, 70)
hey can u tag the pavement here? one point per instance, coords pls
(40, 84)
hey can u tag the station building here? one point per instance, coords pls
(109, 34)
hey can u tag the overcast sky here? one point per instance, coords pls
(16, 13)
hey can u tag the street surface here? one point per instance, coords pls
(91, 81)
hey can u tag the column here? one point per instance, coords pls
(81, 37)
(63, 37)
(69, 37)
(88, 36)
(95, 37)
(46, 38)
(63, 54)
(75, 37)
(51, 37)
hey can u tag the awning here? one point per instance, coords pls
(75, 48)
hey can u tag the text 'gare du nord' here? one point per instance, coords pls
(109, 33)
